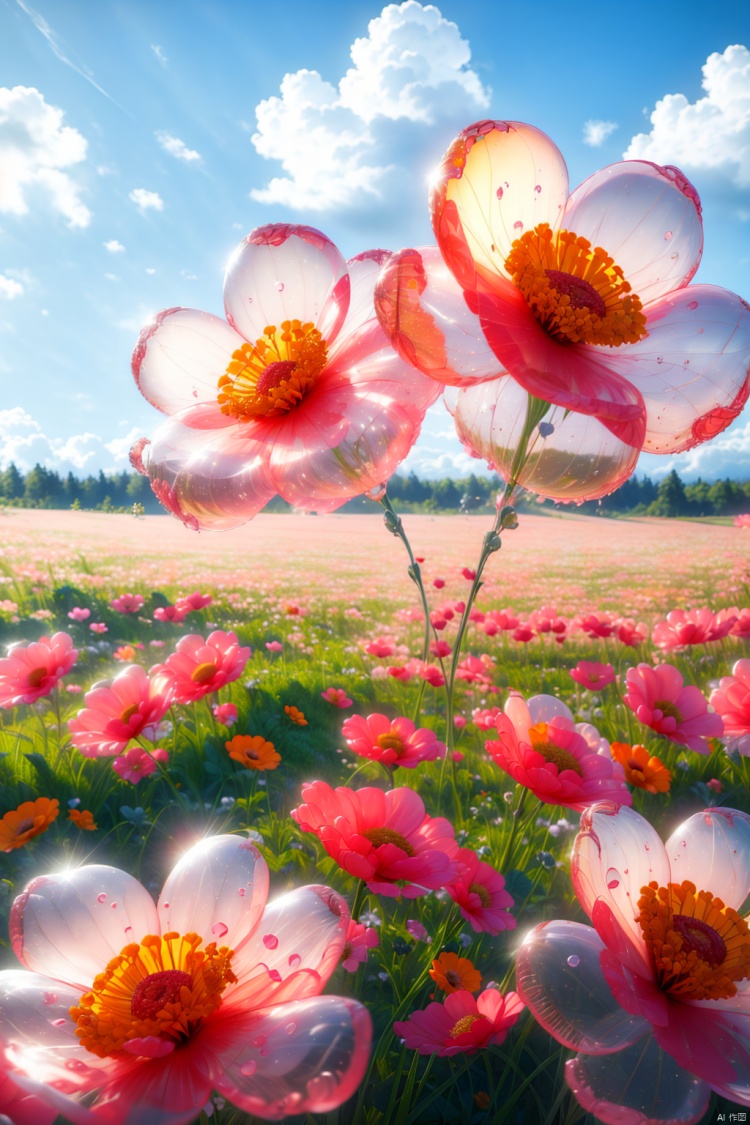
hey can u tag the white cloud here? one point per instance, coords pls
(727, 455)
(710, 133)
(114, 246)
(159, 54)
(119, 448)
(35, 147)
(336, 142)
(23, 441)
(177, 148)
(146, 200)
(9, 288)
(596, 132)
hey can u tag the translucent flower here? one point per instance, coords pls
(140, 1011)
(566, 323)
(654, 997)
(297, 392)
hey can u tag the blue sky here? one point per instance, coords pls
(140, 141)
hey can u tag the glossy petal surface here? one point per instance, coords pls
(70, 925)
(559, 977)
(640, 1085)
(712, 850)
(364, 270)
(647, 218)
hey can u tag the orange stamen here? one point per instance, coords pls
(563, 759)
(273, 375)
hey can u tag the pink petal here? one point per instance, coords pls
(692, 368)
(284, 272)
(558, 976)
(645, 217)
(712, 850)
(497, 180)
(363, 274)
(640, 1085)
(425, 315)
(715, 1045)
(166, 1091)
(180, 356)
(302, 930)
(309, 1056)
(25, 1108)
(218, 889)
(578, 459)
(615, 854)
(70, 925)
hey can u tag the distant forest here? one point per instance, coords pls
(117, 492)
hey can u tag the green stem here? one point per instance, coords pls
(359, 899)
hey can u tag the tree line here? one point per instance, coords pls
(44, 488)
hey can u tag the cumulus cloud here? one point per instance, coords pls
(23, 442)
(146, 200)
(114, 246)
(710, 133)
(728, 455)
(35, 151)
(177, 148)
(596, 132)
(9, 288)
(336, 142)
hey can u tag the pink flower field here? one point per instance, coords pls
(257, 714)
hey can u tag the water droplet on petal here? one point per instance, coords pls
(613, 878)
(660, 359)
(114, 906)
(612, 883)
(290, 1028)
(166, 906)
(101, 898)
(518, 225)
(58, 1023)
(259, 1041)
(499, 193)
(275, 975)
(537, 188)
(667, 235)
(270, 941)
(242, 892)
(692, 305)
(249, 300)
(51, 998)
(295, 961)
(574, 961)
(219, 929)
(280, 286)
(263, 1052)
(249, 1068)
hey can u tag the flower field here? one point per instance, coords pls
(241, 681)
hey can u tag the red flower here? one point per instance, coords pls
(394, 742)
(462, 1023)
(480, 894)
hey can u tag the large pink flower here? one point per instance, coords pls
(199, 667)
(731, 700)
(297, 392)
(394, 742)
(119, 710)
(661, 701)
(567, 321)
(29, 672)
(655, 997)
(540, 748)
(136, 1012)
(386, 839)
(693, 627)
(480, 894)
(461, 1024)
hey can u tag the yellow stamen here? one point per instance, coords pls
(700, 946)
(162, 988)
(563, 759)
(484, 894)
(390, 742)
(203, 672)
(577, 292)
(272, 376)
(380, 836)
(463, 1025)
(36, 675)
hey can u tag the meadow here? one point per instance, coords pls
(335, 629)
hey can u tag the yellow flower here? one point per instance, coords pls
(30, 819)
(253, 752)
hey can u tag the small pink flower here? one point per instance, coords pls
(359, 939)
(381, 647)
(480, 894)
(417, 930)
(73, 689)
(714, 785)
(394, 742)
(486, 718)
(337, 697)
(628, 633)
(741, 627)
(694, 627)
(468, 574)
(199, 667)
(79, 613)
(98, 627)
(194, 601)
(592, 675)
(731, 700)
(274, 646)
(473, 670)
(660, 701)
(30, 672)
(601, 625)
(742, 520)
(461, 1024)
(523, 634)
(173, 614)
(499, 620)
(127, 603)
(225, 713)
(459, 722)
(457, 756)
(386, 839)
(137, 763)
(438, 583)
(119, 710)
(440, 649)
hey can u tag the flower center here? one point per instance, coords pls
(453, 978)
(24, 826)
(128, 713)
(481, 890)
(380, 836)
(162, 989)
(390, 742)
(463, 1025)
(575, 291)
(202, 673)
(563, 759)
(700, 946)
(273, 375)
(36, 676)
(668, 710)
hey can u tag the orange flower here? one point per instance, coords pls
(296, 716)
(253, 752)
(30, 819)
(641, 770)
(83, 819)
(451, 973)
(125, 653)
